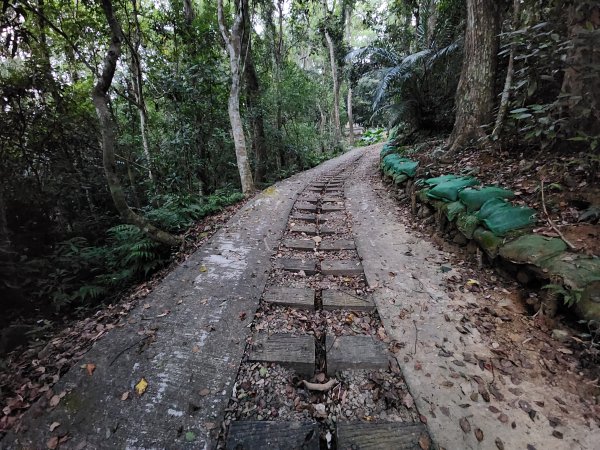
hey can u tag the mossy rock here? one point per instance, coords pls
(422, 195)
(532, 249)
(574, 271)
(488, 241)
(466, 224)
(588, 306)
(399, 178)
(453, 210)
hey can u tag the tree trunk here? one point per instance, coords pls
(581, 85)
(253, 98)
(233, 42)
(107, 126)
(510, 72)
(475, 92)
(4, 232)
(336, 87)
(138, 92)
(188, 12)
(348, 23)
(350, 117)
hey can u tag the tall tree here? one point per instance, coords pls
(475, 93)
(580, 91)
(348, 28)
(107, 126)
(508, 81)
(253, 99)
(334, 71)
(135, 40)
(233, 43)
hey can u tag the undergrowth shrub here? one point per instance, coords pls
(77, 273)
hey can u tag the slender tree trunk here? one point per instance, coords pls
(348, 20)
(4, 232)
(188, 12)
(138, 89)
(107, 126)
(350, 116)
(475, 92)
(580, 91)
(336, 87)
(233, 42)
(510, 72)
(253, 99)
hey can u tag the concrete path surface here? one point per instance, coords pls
(189, 336)
(233, 348)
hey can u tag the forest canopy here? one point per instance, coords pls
(124, 121)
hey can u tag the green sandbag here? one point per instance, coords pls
(387, 150)
(532, 249)
(453, 210)
(466, 224)
(448, 190)
(473, 199)
(397, 164)
(501, 217)
(437, 180)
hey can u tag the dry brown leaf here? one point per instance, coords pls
(90, 368)
(424, 442)
(54, 401)
(204, 392)
(465, 425)
(408, 401)
(125, 396)
(479, 434)
(52, 443)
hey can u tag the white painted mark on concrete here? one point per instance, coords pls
(228, 262)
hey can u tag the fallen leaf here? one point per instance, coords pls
(479, 434)
(557, 434)
(90, 368)
(195, 349)
(141, 387)
(52, 442)
(54, 401)
(125, 396)
(424, 442)
(210, 425)
(54, 426)
(204, 392)
(408, 401)
(499, 444)
(203, 268)
(465, 425)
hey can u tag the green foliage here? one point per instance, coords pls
(569, 296)
(372, 136)
(416, 85)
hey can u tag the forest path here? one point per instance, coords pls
(307, 257)
(185, 340)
